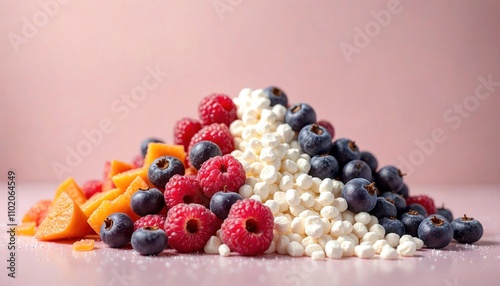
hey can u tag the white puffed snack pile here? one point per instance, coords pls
(310, 216)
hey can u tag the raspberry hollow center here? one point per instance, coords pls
(192, 226)
(223, 168)
(251, 226)
(187, 199)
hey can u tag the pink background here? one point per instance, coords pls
(68, 74)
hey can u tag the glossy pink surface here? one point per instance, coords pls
(48, 263)
(400, 80)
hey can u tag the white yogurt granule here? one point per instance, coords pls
(212, 245)
(333, 249)
(224, 250)
(389, 253)
(364, 251)
(318, 255)
(407, 248)
(392, 239)
(295, 249)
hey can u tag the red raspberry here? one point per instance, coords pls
(221, 174)
(328, 126)
(217, 133)
(248, 229)
(426, 201)
(217, 108)
(138, 161)
(189, 227)
(91, 188)
(150, 220)
(184, 189)
(38, 212)
(184, 130)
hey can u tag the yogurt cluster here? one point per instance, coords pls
(310, 216)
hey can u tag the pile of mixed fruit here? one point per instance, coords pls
(253, 175)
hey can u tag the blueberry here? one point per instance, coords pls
(324, 166)
(360, 194)
(392, 225)
(202, 151)
(384, 208)
(435, 232)
(404, 191)
(398, 200)
(369, 159)
(446, 213)
(344, 150)
(149, 240)
(411, 220)
(164, 168)
(467, 229)
(276, 96)
(116, 230)
(300, 115)
(145, 143)
(150, 201)
(314, 140)
(221, 203)
(389, 179)
(417, 207)
(356, 169)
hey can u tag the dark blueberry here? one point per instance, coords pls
(324, 166)
(202, 151)
(328, 126)
(398, 200)
(392, 225)
(314, 140)
(164, 168)
(435, 232)
(467, 229)
(145, 143)
(411, 220)
(356, 169)
(276, 96)
(360, 194)
(389, 179)
(404, 191)
(116, 230)
(369, 159)
(344, 150)
(149, 240)
(150, 201)
(446, 213)
(417, 207)
(221, 203)
(384, 208)
(300, 115)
